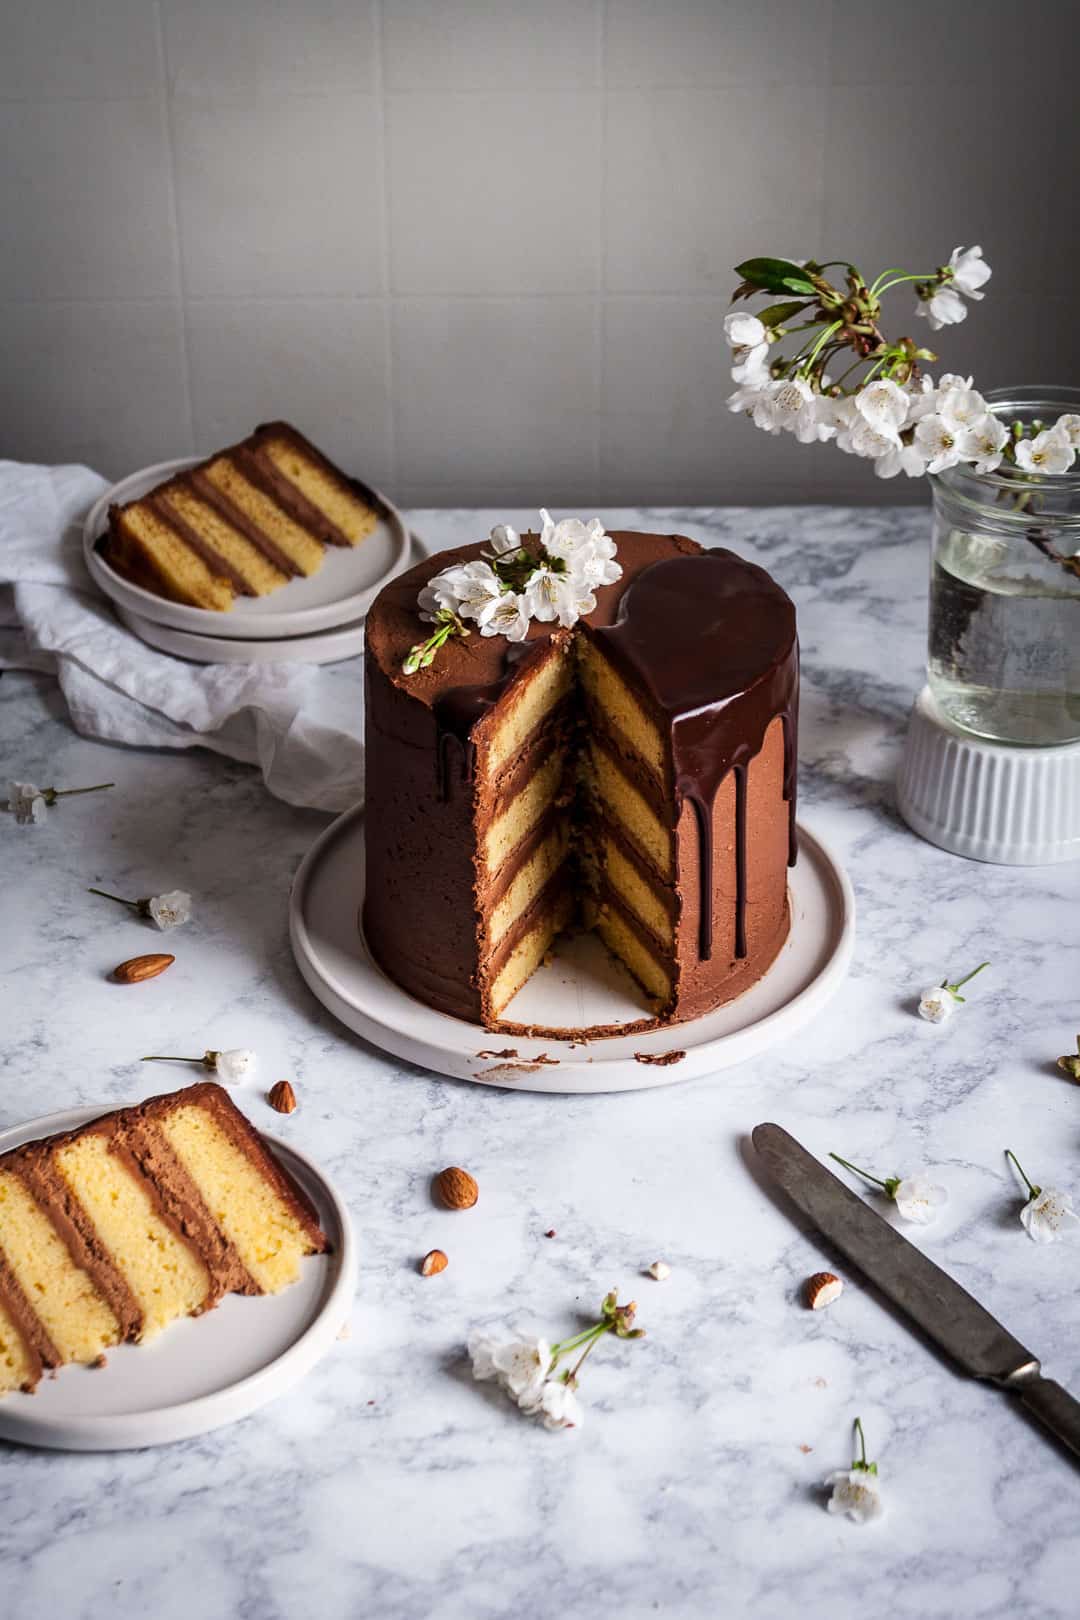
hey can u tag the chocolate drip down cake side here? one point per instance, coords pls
(619, 755)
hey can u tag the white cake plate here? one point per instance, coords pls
(581, 987)
(324, 647)
(340, 592)
(203, 1372)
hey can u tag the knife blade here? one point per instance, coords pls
(944, 1311)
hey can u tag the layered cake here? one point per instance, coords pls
(625, 764)
(147, 1214)
(242, 523)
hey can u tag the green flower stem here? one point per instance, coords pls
(820, 344)
(589, 1336)
(134, 904)
(171, 1057)
(953, 988)
(864, 1173)
(862, 1442)
(51, 795)
(1031, 1187)
(877, 290)
(571, 1377)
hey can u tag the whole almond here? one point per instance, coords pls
(822, 1289)
(282, 1097)
(433, 1262)
(456, 1188)
(137, 968)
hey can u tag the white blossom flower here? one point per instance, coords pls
(961, 407)
(944, 307)
(234, 1066)
(970, 271)
(868, 441)
(558, 1405)
(504, 615)
(750, 365)
(1047, 452)
(884, 405)
(521, 1366)
(482, 1349)
(922, 399)
(983, 443)
(751, 399)
(170, 910)
(1049, 1216)
(1069, 425)
(902, 458)
(548, 596)
(26, 803)
(952, 379)
(938, 442)
(856, 1492)
(465, 589)
(504, 539)
(788, 399)
(936, 1004)
(918, 1199)
(744, 331)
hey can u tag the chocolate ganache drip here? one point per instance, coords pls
(694, 634)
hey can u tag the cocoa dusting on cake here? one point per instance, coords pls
(659, 1060)
(507, 1052)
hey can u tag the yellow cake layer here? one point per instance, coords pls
(621, 940)
(528, 953)
(506, 831)
(185, 576)
(296, 544)
(16, 1367)
(526, 710)
(167, 1278)
(626, 805)
(352, 516)
(620, 708)
(258, 571)
(628, 883)
(74, 1315)
(537, 870)
(269, 1239)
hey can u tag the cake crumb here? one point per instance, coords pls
(99, 1361)
(659, 1271)
(551, 1233)
(660, 1059)
(507, 1052)
(806, 1450)
(345, 1331)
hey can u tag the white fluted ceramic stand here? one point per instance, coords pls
(989, 801)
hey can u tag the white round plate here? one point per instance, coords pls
(203, 1372)
(339, 593)
(324, 647)
(582, 986)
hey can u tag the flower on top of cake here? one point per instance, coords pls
(507, 588)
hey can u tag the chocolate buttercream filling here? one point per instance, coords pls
(216, 563)
(208, 492)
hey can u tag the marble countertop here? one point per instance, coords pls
(388, 1483)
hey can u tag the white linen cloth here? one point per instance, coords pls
(301, 727)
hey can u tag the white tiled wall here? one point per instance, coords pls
(481, 250)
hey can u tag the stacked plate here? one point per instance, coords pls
(314, 621)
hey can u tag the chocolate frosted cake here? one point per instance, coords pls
(147, 1214)
(631, 771)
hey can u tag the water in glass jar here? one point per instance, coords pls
(1005, 640)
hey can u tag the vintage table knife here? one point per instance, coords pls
(944, 1311)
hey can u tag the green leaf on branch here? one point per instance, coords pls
(780, 314)
(775, 276)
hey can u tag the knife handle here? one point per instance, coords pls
(1054, 1407)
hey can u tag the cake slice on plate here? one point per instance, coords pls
(242, 523)
(111, 1232)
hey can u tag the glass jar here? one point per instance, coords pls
(1005, 590)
